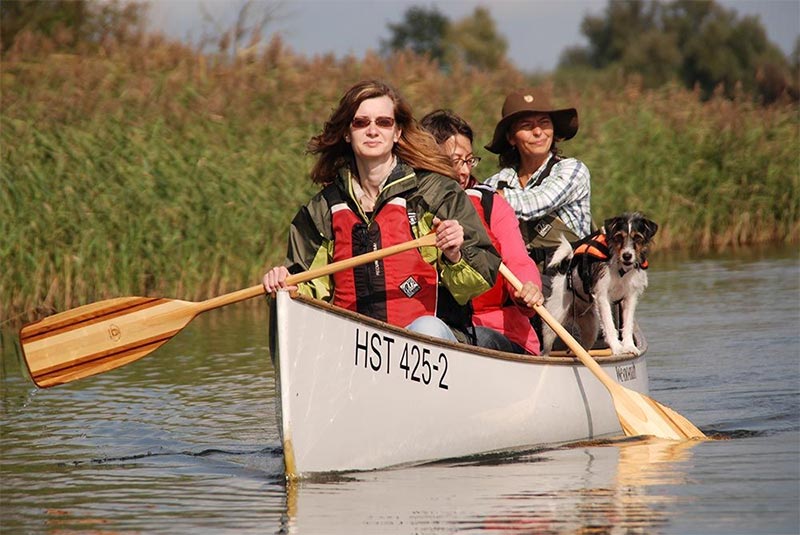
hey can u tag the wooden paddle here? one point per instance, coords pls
(638, 414)
(95, 338)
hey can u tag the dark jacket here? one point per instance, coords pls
(427, 195)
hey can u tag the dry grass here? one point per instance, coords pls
(150, 169)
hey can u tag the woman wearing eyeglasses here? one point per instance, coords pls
(501, 315)
(383, 182)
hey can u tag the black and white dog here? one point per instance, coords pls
(605, 268)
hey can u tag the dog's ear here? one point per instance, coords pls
(610, 226)
(650, 228)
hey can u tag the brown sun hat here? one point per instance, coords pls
(518, 103)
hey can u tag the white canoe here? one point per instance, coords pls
(359, 394)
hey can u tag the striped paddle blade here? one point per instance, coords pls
(101, 336)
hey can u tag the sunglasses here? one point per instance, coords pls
(363, 122)
(471, 162)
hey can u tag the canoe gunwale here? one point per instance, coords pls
(565, 360)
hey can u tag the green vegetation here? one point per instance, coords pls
(697, 43)
(145, 168)
(473, 40)
(72, 23)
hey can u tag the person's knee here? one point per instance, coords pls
(491, 339)
(432, 326)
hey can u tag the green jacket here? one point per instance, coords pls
(427, 195)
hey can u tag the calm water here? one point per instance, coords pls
(185, 440)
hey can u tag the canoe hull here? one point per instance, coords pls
(357, 394)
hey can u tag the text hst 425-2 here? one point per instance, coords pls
(377, 352)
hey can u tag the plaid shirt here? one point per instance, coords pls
(566, 193)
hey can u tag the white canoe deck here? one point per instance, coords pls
(359, 394)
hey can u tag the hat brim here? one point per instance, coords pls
(565, 126)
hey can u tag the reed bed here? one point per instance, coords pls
(151, 169)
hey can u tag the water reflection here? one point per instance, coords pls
(185, 440)
(594, 487)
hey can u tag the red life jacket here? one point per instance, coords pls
(482, 198)
(398, 289)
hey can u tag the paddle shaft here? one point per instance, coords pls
(564, 334)
(328, 269)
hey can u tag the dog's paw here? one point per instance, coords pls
(623, 349)
(629, 348)
(615, 347)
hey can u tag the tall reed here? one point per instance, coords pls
(155, 170)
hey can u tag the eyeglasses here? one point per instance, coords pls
(472, 162)
(381, 122)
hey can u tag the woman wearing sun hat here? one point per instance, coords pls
(550, 194)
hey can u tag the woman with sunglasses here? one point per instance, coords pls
(501, 315)
(384, 181)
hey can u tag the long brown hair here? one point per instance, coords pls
(415, 147)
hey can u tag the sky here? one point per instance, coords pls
(537, 31)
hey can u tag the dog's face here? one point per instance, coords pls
(628, 238)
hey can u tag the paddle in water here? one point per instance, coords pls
(638, 414)
(95, 338)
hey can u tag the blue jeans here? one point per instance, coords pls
(432, 326)
(491, 339)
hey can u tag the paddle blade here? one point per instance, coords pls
(637, 413)
(99, 337)
(641, 415)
